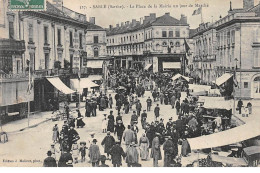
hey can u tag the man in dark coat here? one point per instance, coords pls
(168, 148)
(138, 107)
(143, 119)
(149, 103)
(134, 118)
(177, 106)
(119, 104)
(156, 151)
(64, 158)
(119, 130)
(157, 111)
(72, 136)
(94, 108)
(88, 108)
(49, 161)
(111, 122)
(239, 105)
(107, 143)
(117, 153)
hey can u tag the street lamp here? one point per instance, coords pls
(234, 90)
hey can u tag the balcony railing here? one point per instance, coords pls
(42, 73)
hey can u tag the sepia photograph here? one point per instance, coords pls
(129, 83)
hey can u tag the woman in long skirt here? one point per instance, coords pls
(144, 147)
(55, 135)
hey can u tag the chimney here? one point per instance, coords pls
(183, 19)
(110, 27)
(122, 24)
(58, 4)
(117, 25)
(152, 17)
(141, 20)
(248, 4)
(230, 8)
(167, 14)
(92, 20)
(134, 22)
(146, 19)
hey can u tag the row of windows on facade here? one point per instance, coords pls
(147, 36)
(46, 35)
(140, 46)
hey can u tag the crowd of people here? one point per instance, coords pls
(129, 87)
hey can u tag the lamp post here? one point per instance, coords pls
(234, 89)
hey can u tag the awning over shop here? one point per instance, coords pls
(218, 104)
(199, 88)
(203, 99)
(95, 64)
(84, 83)
(15, 92)
(177, 76)
(147, 66)
(171, 65)
(57, 83)
(214, 92)
(223, 78)
(95, 77)
(227, 137)
(229, 160)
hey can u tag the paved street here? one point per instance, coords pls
(33, 143)
(42, 136)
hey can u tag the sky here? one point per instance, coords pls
(211, 10)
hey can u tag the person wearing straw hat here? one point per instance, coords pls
(132, 156)
(117, 153)
(94, 153)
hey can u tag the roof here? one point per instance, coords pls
(255, 9)
(165, 20)
(54, 11)
(252, 150)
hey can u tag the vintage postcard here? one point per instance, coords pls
(138, 83)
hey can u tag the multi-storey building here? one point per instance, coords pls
(152, 42)
(238, 45)
(54, 41)
(204, 57)
(234, 48)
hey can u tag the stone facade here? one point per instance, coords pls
(150, 41)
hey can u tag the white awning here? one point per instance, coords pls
(84, 83)
(147, 66)
(199, 88)
(223, 78)
(95, 77)
(204, 99)
(57, 83)
(227, 137)
(177, 76)
(214, 92)
(229, 160)
(171, 65)
(95, 64)
(218, 104)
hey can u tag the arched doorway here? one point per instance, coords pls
(255, 92)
